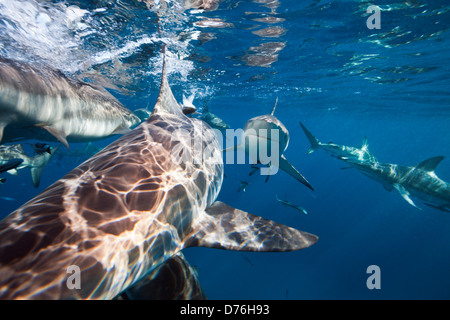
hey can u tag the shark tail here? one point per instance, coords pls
(38, 162)
(315, 143)
(224, 227)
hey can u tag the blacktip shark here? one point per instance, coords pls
(11, 164)
(127, 211)
(418, 181)
(35, 163)
(266, 132)
(42, 103)
(291, 205)
(340, 151)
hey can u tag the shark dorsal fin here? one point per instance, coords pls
(166, 101)
(430, 164)
(365, 144)
(274, 107)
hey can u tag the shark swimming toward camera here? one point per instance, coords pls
(35, 163)
(266, 132)
(42, 103)
(339, 151)
(129, 210)
(418, 181)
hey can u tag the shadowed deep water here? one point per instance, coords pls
(342, 80)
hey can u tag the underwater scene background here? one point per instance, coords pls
(341, 79)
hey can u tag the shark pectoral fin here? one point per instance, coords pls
(405, 194)
(225, 227)
(36, 175)
(288, 168)
(13, 172)
(175, 279)
(60, 135)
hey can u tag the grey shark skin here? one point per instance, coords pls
(418, 181)
(10, 164)
(128, 210)
(42, 103)
(259, 129)
(36, 163)
(339, 151)
(291, 205)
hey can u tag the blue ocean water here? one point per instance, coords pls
(343, 80)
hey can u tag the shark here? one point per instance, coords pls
(11, 164)
(35, 163)
(291, 205)
(419, 181)
(267, 132)
(39, 102)
(176, 279)
(340, 151)
(128, 210)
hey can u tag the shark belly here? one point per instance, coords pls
(431, 190)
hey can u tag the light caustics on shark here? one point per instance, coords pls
(126, 212)
(38, 99)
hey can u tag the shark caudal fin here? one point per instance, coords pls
(224, 227)
(166, 102)
(315, 144)
(38, 162)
